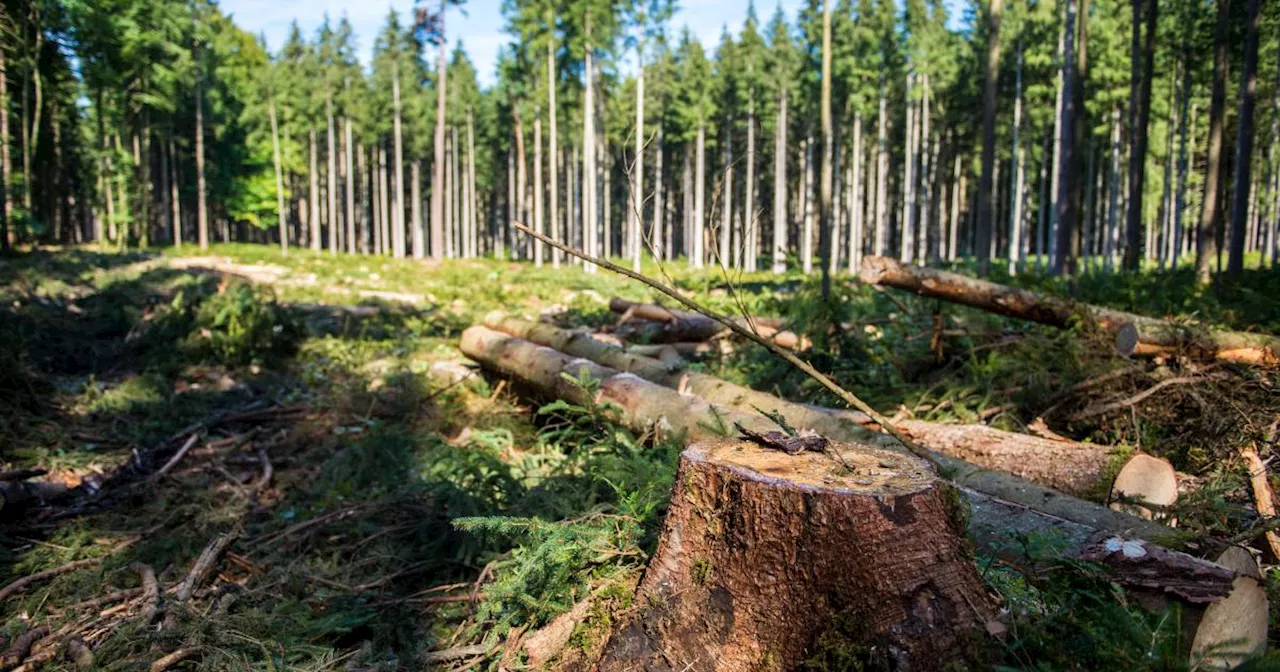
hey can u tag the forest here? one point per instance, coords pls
(875, 336)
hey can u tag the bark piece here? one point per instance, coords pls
(763, 551)
(1263, 498)
(999, 504)
(547, 643)
(21, 647)
(1234, 628)
(1144, 479)
(1135, 334)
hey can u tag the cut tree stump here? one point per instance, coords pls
(1144, 480)
(1235, 628)
(1135, 334)
(1000, 505)
(763, 552)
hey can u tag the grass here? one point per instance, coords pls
(393, 488)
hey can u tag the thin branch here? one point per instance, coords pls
(848, 397)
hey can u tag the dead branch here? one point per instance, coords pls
(203, 565)
(21, 646)
(1263, 498)
(162, 664)
(456, 653)
(151, 592)
(177, 457)
(56, 571)
(1100, 409)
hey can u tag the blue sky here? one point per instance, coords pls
(480, 29)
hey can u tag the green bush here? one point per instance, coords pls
(242, 325)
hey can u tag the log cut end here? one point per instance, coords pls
(769, 559)
(1235, 628)
(1144, 480)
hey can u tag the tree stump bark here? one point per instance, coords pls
(769, 559)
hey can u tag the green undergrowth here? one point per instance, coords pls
(398, 494)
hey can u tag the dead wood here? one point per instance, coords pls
(1135, 334)
(150, 593)
(78, 653)
(176, 458)
(17, 491)
(25, 581)
(1102, 409)
(547, 643)
(166, 662)
(455, 653)
(1235, 628)
(21, 647)
(1263, 498)
(762, 552)
(1144, 481)
(1071, 467)
(1000, 504)
(203, 565)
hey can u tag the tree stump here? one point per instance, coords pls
(769, 559)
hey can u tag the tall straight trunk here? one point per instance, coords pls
(331, 174)
(522, 182)
(604, 167)
(473, 209)
(573, 209)
(957, 190)
(750, 226)
(635, 213)
(397, 194)
(807, 207)
(686, 206)
(1073, 133)
(1051, 232)
(1113, 196)
(202, 210)
(1211, 206)
(351, 187)
(726, 203)
(928, 155)
(699, 197)
(825, 218)
(1015, 205)
(590, 228)
(451, 196)
(175, 200)
(384, 206)
(882, 172)
(415, 207)
(1180, 196)
(1272, 248)
(1138, 159)
(552, 149)
(6, 197)
(511, 191)
(779, 254)
(537, 187)
(985, 182)
(437, 164)
(1166, 183)
(1088, 217)
(661, 232)
(906, 234)
(275, 151)
(855, 196)
(313, 194)
(1244, 143)
(464, 207)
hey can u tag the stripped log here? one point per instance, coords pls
(1000, 504)
(1067, 466)
(1135, 334)
(763, 552)
(652, 323)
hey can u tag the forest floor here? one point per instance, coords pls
(369, 504)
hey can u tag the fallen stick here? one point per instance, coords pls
(1102, 409)
(177, 457)
(1066, 466)
(46, 574)
(162, 664)
(993, 497)
(204, 563)
(150, 592)
(1263, 499)
(456, 653)
(21, 646)
(1135, 334)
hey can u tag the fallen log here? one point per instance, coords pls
(763, 552)
(652, 323)
(1001, 507)
(1135, 334)
(1067, 466)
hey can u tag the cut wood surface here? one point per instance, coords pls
(1068, 466)
(1263, 498)
(1135, 334)
(1001, 505)
(762, 552)
(1144, 479)
(1235, 628)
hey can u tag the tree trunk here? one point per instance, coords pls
(473, 210)
(663, 237)
(1244, 144)
(415, 207)
(779, 254)
(1211, 206)
(6, 194)
(825, 214)
(749, 253)
(275, 151)
(806, 201)
(350, 187)
(313, 194)
(384, 209)
(1064, 260)
(537, 187)
(882, 172)
(1180, 197)
(1135, 334)
(636, 213)
(175, 198)
(437, 164)
(990, 92)
(726, 203)
(590, 225)
(202, 209)
(553, 148)
(699, 197)
(906, 233)
(331, 175)
(397, 194)
(1138, 159)
(1015, 206)
(855, 195)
